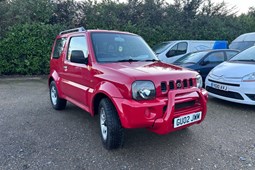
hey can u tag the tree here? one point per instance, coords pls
(66, 12)
(154, 20)
(28, 11)
(26, 48)
(4, 7)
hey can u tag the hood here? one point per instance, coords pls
(149, 70)
(187, 65)
(233, 69)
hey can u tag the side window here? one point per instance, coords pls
(178, 49)
(77, 44)
(230, 54)
(174, 48)
(216, 57)
(182, 48)
(59, 46)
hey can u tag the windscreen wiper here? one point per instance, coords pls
(128, 60)
(133, 60)
(249, 60)
(189, 63)
(150, 60)
(252, 60)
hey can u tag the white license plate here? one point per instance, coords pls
(187, 119)
(219, 86)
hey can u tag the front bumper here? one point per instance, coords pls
(158, 115)
(244, 93)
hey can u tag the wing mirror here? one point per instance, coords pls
(77, 56)
(203, 63)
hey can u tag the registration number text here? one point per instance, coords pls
(187, 119)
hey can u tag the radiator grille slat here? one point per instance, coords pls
(177, 84)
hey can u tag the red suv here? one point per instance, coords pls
(116, 75)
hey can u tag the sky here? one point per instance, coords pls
(241, 5)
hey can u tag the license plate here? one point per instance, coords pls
(187, 119)
(219, 86)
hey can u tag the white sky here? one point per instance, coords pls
(241, 5)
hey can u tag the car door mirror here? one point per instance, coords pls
(203, 63)
(77, 56)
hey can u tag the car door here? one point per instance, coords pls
(76, 76)
(210, 61)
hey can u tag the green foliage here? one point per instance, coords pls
(65, 12)
(26, 49)
(28, 27)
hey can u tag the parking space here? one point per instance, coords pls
(35, 136)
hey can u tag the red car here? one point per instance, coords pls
(116, 75)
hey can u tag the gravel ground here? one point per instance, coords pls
(35, 136)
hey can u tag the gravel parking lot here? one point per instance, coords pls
(35, 136)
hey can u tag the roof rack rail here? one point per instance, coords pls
(80, 29)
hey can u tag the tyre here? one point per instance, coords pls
(57, 103)
(112, 133)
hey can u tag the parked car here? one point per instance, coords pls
(170, 51)
(234, 80)
(116, 75)
(204, 61)
(243, 41)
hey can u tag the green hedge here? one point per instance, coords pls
(26, 48)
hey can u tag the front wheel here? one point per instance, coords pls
(112, 133)
(57, 103)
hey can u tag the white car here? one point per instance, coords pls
(170, 51)
(234, 80)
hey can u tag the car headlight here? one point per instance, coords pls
(199, 81)
(249, 78)
(143, 90)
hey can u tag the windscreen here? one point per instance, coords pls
(246, 55)
(191, 58)
(241, 45)
(119, 47)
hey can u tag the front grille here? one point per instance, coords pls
(178, 84)
(171, 85)
(185, 83)
(229, 94)
(163, 86)
(184, 104)
(191, 82)
(229, 84)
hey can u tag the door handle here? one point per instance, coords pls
(65, 67)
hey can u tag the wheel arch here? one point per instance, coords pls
(50, 80)
(104, 90)
(55, 77)
(113, 99)
(96, 100)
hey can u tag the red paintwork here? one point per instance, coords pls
(81, 83)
